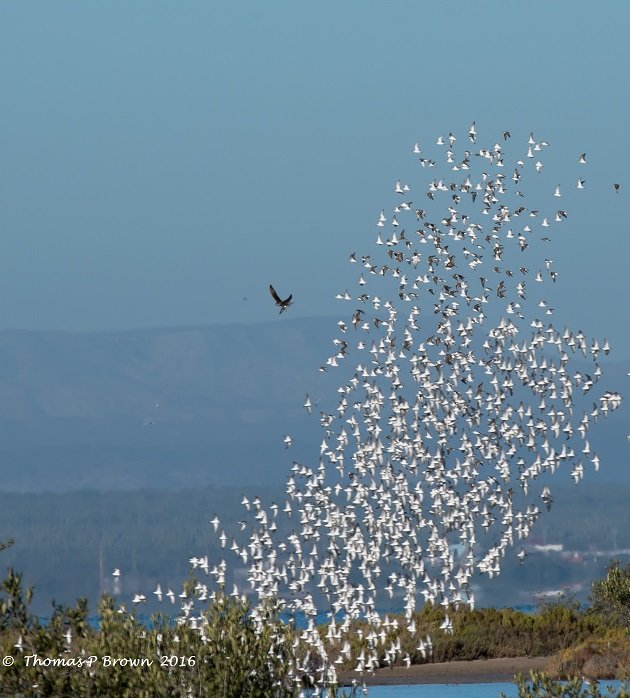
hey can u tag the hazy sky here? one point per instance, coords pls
(161, 163)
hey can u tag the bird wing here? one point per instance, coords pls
(274, 295)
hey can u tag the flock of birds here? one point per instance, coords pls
(459, 401)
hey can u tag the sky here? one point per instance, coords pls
(161, 163)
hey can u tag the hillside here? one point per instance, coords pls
(163, 408)
(185, 407)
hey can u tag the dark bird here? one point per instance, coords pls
(282, 304)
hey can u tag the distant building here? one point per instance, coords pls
(548, 548)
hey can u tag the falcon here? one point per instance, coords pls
(282, 304)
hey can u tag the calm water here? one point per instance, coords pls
(471, 690)
(461, 690)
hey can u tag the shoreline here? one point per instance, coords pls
(501, 670)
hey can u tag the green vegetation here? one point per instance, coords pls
(610, 597)
(557, 629)
(67, 657)
(540, 685)
(238, 655)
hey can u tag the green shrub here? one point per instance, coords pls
(540, 685)
(610, 597)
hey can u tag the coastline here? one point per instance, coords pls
(501, 670)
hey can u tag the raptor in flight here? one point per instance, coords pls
(282, 304)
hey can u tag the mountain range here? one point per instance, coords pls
(184, 407)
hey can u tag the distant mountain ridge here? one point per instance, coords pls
(173, 407)
(183, 407)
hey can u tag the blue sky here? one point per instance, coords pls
(162, 163)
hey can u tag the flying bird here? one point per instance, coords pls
(409, 424)
(282, 304)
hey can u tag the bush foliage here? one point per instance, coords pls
(540, 685)
(233, 657)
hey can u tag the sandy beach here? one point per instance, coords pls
(475, 671)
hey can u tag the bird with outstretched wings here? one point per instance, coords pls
(282, 304)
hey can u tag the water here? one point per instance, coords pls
(455, 690)
(300, 620)
(437, 690)
(461, 690)
(451, 690)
